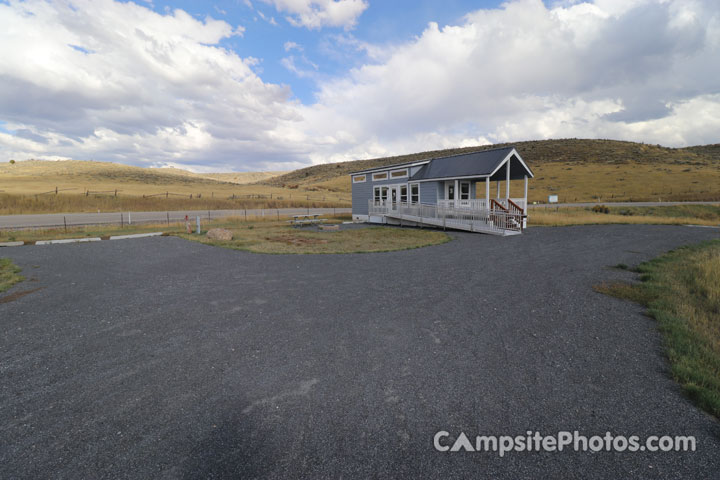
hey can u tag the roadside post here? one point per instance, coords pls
(198, 224)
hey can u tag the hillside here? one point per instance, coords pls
(242, 178)
(535, 153)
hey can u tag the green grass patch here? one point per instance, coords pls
(9, 274)
(681, 290)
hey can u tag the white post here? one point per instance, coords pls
(507, 180)
(487, 193)
(498, 189)
(457, 194)
(525, 206)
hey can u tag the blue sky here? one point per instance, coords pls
(242, 85)
(386, 22)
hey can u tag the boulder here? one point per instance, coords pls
(219, 234)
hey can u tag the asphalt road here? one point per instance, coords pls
(161, 358)
(619, 204)
(59, 219)
(109, 218)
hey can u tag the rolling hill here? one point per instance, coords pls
(574, 169)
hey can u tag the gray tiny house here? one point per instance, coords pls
(448, 192)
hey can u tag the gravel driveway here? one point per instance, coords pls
(161, 358)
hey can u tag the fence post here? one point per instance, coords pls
(121, 220)
(278, 214)
(65, 223)
(208, 214)
(168, 217)
(116, 193)
(198, 224)
(167, 194)
(246, 214)
(56, 190)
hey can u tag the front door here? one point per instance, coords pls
(394, 197)
(450, 190)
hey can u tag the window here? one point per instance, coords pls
(376, 194)
(415, 192)
(359, 178)
(399, 173)
(464, 190)
(380, 176)
(383, 193)
(403, 194)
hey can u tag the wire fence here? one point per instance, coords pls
(127, 219)
(303, 196)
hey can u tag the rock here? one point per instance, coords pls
(329, 228)
(219, 234)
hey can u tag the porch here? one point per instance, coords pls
(495, 220)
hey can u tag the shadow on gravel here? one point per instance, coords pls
(235, 448)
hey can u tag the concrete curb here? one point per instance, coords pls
(67, 240)
(81, 240)
(137, 235)
(11, 244)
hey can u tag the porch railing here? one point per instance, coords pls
(481, 203)
(495, 220)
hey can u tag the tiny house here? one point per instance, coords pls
(447, 192)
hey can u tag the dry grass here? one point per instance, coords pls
(682, 291)
(29, 187)
(9, 274)
(663, 215)
(280, 238)
(23, 204)
(575, 170)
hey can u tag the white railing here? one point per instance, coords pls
(496, 220)
(480, 203)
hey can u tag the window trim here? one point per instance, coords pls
(469, 191)
(411, 195)
(404, 173)
(356, 177)
(380, 176)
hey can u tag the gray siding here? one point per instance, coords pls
(361, 193)
(429, 192)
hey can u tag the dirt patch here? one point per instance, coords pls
(292, 240)
(20, 294)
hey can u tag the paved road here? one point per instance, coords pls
(620, 204)
(160, 358)
(56, 219)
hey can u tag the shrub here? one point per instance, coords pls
(600, 209)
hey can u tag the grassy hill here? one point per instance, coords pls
(30, 186)
(574, 169)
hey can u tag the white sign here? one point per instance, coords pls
(552, 199)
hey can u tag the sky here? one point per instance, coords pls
(243, 85)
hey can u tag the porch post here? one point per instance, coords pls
(525, 206)
(498, 189)
(507, 180)
(487, 193)
(457, 193)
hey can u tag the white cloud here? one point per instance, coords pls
(155, 87)
(316, 14)
(292, 46)
(115, 81)
(643, 70)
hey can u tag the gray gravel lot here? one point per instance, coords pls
(161, 358)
